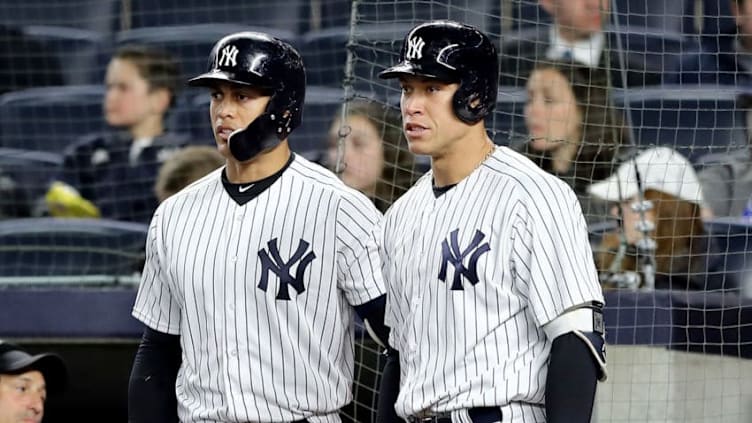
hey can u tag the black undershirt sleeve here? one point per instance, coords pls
(389, 389)
(372, 312)
(151, 389)
(571, 381)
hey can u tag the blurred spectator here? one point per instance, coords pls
(577, 36)
(573, 131)
(25, 381)
(376, 159)
(727, 178)
(112, 175)
(724, 58)
(186, 166)
(684, 257)
(25, 62)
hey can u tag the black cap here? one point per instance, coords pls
(14, 360)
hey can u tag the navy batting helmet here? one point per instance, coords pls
(261, 61)
(453, 52)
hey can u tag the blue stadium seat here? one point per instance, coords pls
(321, 103)
(334, 13)
(101, 16)
(191, 116)
(695, 121)
(50, 118)
(375, 48)
(507, 123)
(49, 248)
(284, 15)
(77, 50)
(733, 237)
(31, 171)
(190, 44)
(321, 106)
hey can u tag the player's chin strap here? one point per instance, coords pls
(586, 322)
(265, 132)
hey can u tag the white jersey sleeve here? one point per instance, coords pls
(358, 262)
(391, 314)
(551, 255)
(155, 305)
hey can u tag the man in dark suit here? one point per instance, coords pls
(577, 34)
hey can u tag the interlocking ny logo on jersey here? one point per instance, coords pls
(451, 253)
(229, 56)
(415, 48)
(272, 261)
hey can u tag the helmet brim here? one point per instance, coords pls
(210, 79)
(415, 69)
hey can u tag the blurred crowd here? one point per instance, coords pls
(579, 70)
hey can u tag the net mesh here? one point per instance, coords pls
(587, 88)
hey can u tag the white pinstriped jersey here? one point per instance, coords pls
(471, 278)
(261, 294)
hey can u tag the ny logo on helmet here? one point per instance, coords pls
(415, 48)
(229, 56)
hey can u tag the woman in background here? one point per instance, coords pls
(375, 159)
(573, 130)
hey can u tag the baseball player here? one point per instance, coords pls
(253, 271)
(493, 299)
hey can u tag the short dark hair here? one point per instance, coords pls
(156, 66)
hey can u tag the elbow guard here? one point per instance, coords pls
(586, 323)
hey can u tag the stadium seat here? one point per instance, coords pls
(695, 121)
(77, 50)
(283, 15)
(31, 171)
(733, 237)
(50, 118)
(332, 13)
(375, 47)
(190, 44)
(101, 16)
(41, 249)
(507, 123)
(321, 105)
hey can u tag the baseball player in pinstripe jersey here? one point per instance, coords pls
(253, 272)
(493, 299)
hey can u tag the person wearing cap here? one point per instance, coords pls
(25, 381)
(670, 184)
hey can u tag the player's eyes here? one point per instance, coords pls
(216, 95)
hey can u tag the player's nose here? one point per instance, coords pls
(225, 109)
(412, 104)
